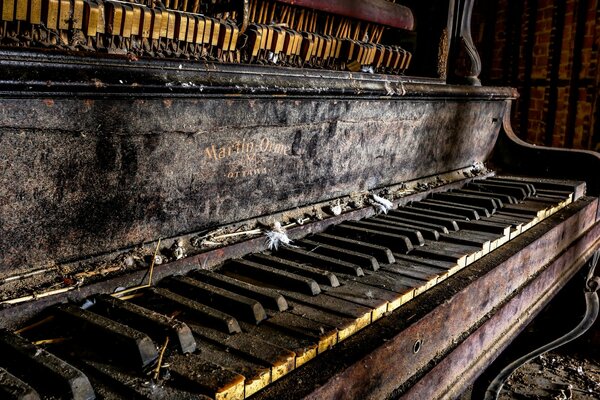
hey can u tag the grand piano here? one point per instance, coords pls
(268, 200)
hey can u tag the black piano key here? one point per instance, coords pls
(434, 213)
(459, 254)
(155, 325)
(12, 388)
(325, 336)
(112, 382)
(481, 211)
(511, 217)
(320, 276)
(320, 261)
(232, 303)
(49, 375)
(271, 277)
(345, 326)
(120, 340)
(268, 297)
(543, 184)
(457, 210)
(528, 187)
(448, 266)
(381, 253)
(194, 310)
(424, 227)
(256, 374)
(462, 199)
(403, 286)
(378, 300)
(397, 243)
(412, 234)
(424, 232)
(528, 209)
(518, 193)
(280, 360)
(361, 314)
(207, 378)
(485, 226)
(416, 270)
(416, 216)
(364, 261)
(471, 238)
(304, 346)
(500, 199)
(555, 194)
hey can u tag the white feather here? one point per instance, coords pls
(384, 205)
(277, 237)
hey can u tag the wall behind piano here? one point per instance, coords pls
(549, 51)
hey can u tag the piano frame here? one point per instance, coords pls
(460, 325)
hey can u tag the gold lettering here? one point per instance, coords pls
(222, 152)
(264, 144)
(211, 152)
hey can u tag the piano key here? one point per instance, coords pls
(207, 378)
(420, 225)
(256, 375)
(500, 199)
(517, 226)
(155, 325)
(280, 360)
(345, 326)
(529, 209)
(528, 187)
(485, 226)
(120, 340)
(12, 388)
(425, 232)
(416, 270)
(470, 238)
(193, 309)
(272, 277)
(268, 297)
(364, 261)
(115, 383)
(227, 301)
(320, 276)
(481, 211)
(403, 286)
(369, 296)
(52, 377)
(381, 253)
(459, 254)
(449, 266)
(482, 191)
(517, 192)
(320, 261)
(397, 243)
(412, 234)
(324, 335)
(456, 210)
(301, 345)
(360, 313)
(417, 216)
(545, 184)
(434, 213)
(458, 198)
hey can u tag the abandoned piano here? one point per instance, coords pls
(268, 199)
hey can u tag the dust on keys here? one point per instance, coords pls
(225, 334)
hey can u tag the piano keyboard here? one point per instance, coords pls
(228, 333)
